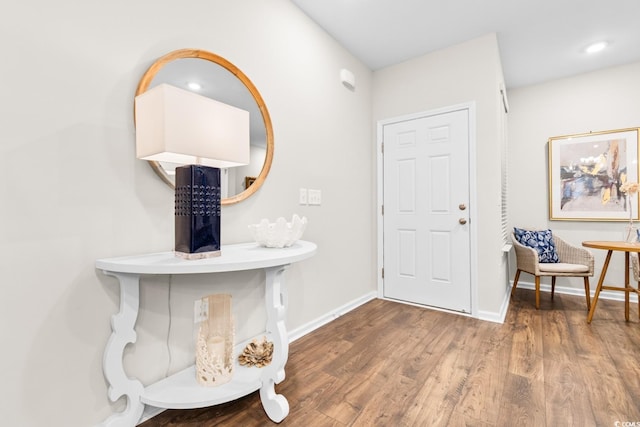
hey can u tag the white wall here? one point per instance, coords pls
(470, 71)
(596, 101)
(73, 191)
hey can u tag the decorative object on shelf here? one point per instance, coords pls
(257, 353)
(280, 234)
(586, 171)
(214, 346)
(177, 126)
(630, 231)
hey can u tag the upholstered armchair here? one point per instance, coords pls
(574, 262)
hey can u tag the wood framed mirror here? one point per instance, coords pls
(211, 75)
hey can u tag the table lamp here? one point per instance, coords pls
(177, 126)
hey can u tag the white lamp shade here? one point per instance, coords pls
(178, 126)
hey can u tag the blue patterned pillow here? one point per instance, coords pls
(541, 241)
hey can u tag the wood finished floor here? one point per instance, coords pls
(390, 364)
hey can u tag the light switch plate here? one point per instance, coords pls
(315, 197)
(303, 196)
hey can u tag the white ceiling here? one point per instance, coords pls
(539, 40)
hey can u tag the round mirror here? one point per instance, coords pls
(212, 76)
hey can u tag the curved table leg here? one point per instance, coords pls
(599, 287)
(275, 405)
(123, 333)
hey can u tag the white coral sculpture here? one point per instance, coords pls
(280, 234)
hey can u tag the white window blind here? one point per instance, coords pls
(504, 162)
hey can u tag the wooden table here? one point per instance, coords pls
(611, 246)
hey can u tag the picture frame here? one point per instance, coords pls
(248, 180)
(586, 172)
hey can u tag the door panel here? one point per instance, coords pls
(407, 253)
(426, 180)
(406, 193)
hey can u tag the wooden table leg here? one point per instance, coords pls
(599, 287)
(626, 286)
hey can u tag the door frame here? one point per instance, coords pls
(473, 213)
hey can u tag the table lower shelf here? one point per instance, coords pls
(182, 391)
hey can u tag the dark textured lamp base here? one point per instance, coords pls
(197, 212)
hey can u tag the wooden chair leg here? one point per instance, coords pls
(587, 293)
(553, 286)
(537, 292)
(515, 282)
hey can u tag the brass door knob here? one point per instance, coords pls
(462, 221)
(462, 206)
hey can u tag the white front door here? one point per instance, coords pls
(426, 253)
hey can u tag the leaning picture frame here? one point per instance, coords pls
(586, 172)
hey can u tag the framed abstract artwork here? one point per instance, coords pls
(586, 172)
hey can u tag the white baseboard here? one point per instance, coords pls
(609, 295)
(492, 316)
(303, 330)
(501, 315)
(297, 333)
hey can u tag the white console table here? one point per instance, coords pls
(181, 390)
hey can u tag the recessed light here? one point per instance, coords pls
(596, 47)
(194, 85)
